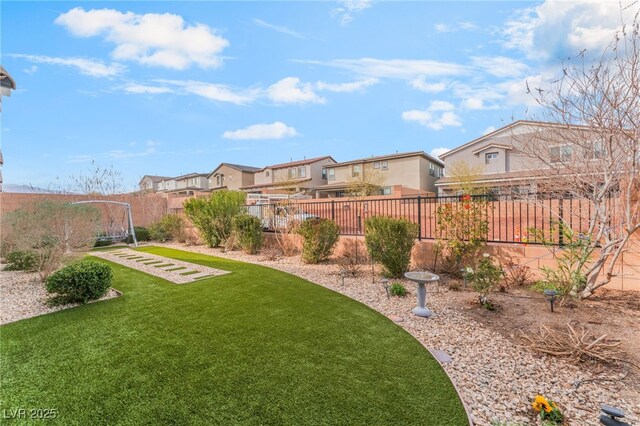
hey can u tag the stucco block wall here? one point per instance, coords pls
(145, 209)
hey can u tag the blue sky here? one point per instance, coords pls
(169, 88)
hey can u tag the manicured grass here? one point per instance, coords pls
(256, 346)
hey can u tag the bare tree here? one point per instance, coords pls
(591, 152)
(466, 177)
(367, 183)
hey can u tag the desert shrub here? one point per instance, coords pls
(79, 282)
(352, 258)
(51, 230)
(271, 252)
(20, 261)
(484, 278)
(213, 216)
(170, 227)
(390, 241)
(142, 234)
(516, 276)
(319, 238)
(248, 233)
(461, 228)
(397, 289)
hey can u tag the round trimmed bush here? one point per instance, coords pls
(20, 261)
(248, 231)
(320, 237)
(142, 234)
(80, 282)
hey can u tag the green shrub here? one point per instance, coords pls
(213, 216)
(397, 289)
(21, 261)
(79, 282)
(390, 242)
(483, 278)
(319, 238)
(248, 232)
(142, 234)
(170, 227)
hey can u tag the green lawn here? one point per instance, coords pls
(256, 346)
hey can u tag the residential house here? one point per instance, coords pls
(231, 176)
(150, 183)
(407, 173)
(296, 177)
(500, 163)
(192, 182)
(167, 185)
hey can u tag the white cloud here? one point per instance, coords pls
(153, 39)
(349, 8)
(346, 87)
(557, 29)
(215, 92)
(500, 66)
(439, 115)
(437, 152)
(421, 84)
(443, 28)
(449, 28)
(116, 154)
(275, 130)
(489, 130)
(91, 67)
(278, 28)
(407, 69)
(146, 89)
(290, 90)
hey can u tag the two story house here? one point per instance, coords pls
(231, 176)
(502, 162)
(300, 177)
(150, 183)
(407, 173)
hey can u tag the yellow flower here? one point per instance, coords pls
(540, 403)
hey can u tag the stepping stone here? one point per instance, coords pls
(396, 318)
(200, 275)
(441, 356)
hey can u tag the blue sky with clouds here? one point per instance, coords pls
(173, 87)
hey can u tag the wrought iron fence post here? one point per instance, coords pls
(333, 210)
(561, 222)
(419, 219)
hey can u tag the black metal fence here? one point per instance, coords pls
(510, 219)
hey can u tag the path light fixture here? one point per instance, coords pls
(385, 284)
(551, 296)
(342, 274)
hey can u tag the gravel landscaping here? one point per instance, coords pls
(23, 295)
(497, 379)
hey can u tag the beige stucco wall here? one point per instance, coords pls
(234, 179)
(410, 172)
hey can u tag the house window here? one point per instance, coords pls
(561, 153)
(267, 174)
(490, 156)
(376, 165)
(384, 165)
(324, 173)
(302, 171)
(432, 169)
(597, 151)
(385, 191)
(293, 173)
(331, 174)
(357, 170)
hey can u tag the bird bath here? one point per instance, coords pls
(421, 278)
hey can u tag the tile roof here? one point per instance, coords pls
(298, 163)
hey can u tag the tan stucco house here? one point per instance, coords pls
(186, 184)
(231, 176)
(414, 172)
(299, 177)
(151, 183)
(502, 165)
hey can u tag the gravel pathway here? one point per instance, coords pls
(496, 378)
(172, 270)
(22, 295)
